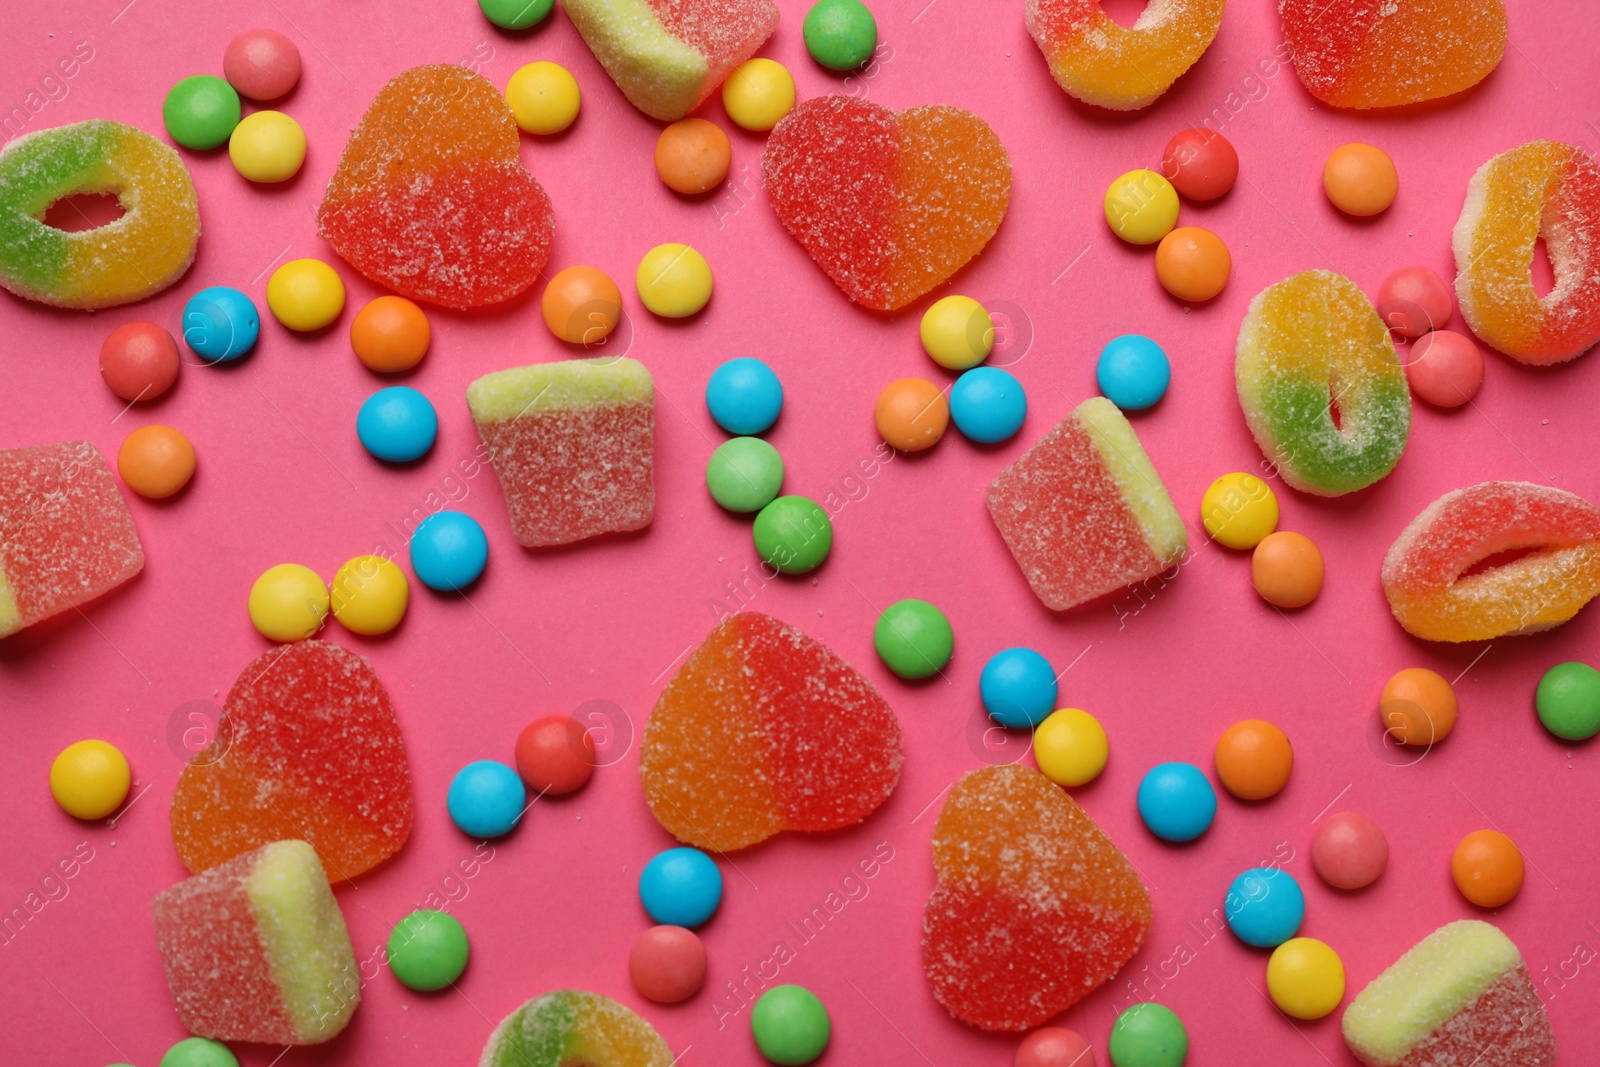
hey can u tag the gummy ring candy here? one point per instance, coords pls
(1434, 599)
(1542, 189)
(1312, 349)
(572, 1026)
(133, 257)
(1123, 68)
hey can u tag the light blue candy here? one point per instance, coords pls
(988, 404)
(1018, 687)
(220, 324)
(744, 396)
(397, 424)
(1265, 907)
(486, 799)
(680, 887)
(448, 551)
(1176, 802)
(1133, 372)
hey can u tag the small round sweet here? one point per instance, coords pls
(397, 424)
(90, 779)
(448, 551)
(369, 595)
(220, 324)
(1418, 707)
(1349, 850)
(840, 34)
(267, 147)
(674, 281)
(201, 111)
(139, 361)
(390, 334)
(1360, 180)
(427, 950)
(555, 755)
(1568, 701)
(1445, 368)
(1193, 264)
(758, 93)
(1487, 867)
(667, 964)
(790, 1025)
(1141, 207)
(911, 414)
(744, 474)
(1054, 1046)
(1265, 907)
(744, 396)
(1238, 510)
(305, 294)
(1148, 1035)
(988, 405)
(1018, 688)
(1070, 747)
(516, 14)
(544, 97)
(1253, 759)
(262, 64)
(156, 461)
(1200, 164)
(793, 534)
(913, 638)
(288, 603)
(692, 156)
(486, 799)
(1414, 300)
(198, 1052)
(1133, 372)
(1176, 803)
(581, 305)
(1305, 978)
(957, 332)
(680, 887)
(1286, 569)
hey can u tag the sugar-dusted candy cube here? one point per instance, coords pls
(65, 533)
(307, 747)
(1035, 907)
(1100, 61)
(668, 55)
(571, 1027)
(573, 444)
(764, 729)
(1459, 998)
(1084, 512)
(257, 950)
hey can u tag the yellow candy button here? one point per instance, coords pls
(90, 779)
(544, 97)
(957, 332)
(1238, 510)
(758, 93)
(267, 146)
(674, 280)
(1070, 747)
(370, 594)
(1305, 978)
(1142, 207)
(305, 294)
(288, 602)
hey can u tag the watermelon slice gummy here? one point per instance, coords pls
(569, 1028)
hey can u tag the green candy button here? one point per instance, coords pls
(793, 534)
(840, 34)
(516, 14)
(199, 1052)
(427, 950)
(1568, 699)
(744, 474)
(790, 1025)
(201, 111)
(1148, 1035)
(913, 638)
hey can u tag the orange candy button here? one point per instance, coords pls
(1360, 179)
(1487, 868)
(1287, 569)
(390, 334)
(581, 305)
(692, 156)
(912, 414)
(1418, 707)
(1253, 759)
(1193, 264)
(156, 461)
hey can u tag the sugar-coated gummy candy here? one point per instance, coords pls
(1298, 338)
(890, 204)
(257, 950)
(311, 749)
(66, 535)
(669, 55)
(730, 754)
(1034, 908)
(667, 964)
(573, 444)
(1090, 476)
(1100, 61)
(1461, 995)
(790, 1025)
(427, 950)
(261, 64)
(1541, 189)
(430, 198)
(571, 1026)
(133, 257)
(1383, 53)
(1424, 571)
(1349, 850)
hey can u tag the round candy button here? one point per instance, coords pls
(1487, 868)
(1148, 1035)
(744, 396)
(1176, 802)
(581, 305)
(674, 281)
(1349, 850)
(1070, 747)
(1414, 300)
(1200, 163)
(1018, 687)
(758, 93)
(1265, 907)
(680, 887)
(267, 146)
(1286, 569)
(261, 64)
(448, 551)
(1418, 707)
(793, 534)
(1193, 264)
(90, 779)
(1053, 1046)
(198, 1052)
(1360, 179)
(667, 964)
(220, 324)
(390, 334)
(1238, 510)
(1305, 978)
(486, 799)
(1141, 207)
(555, 755)
(544, 97)
(1133, 372)
(744, 474)
(201, 111)
(957, 332)
(790, 1025)
(156, 461)
(288, 603)
(1568, 701)
(1445, 368)
(369, 595)
(516, 14)
(913, 638)
(397, 424)
(139, 361)
(427, 950)
(305, 294)
(988, 405)
(912, 414)
(692, 156)
(840, 34)
(1253, 759)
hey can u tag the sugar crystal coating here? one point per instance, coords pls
(571, 1027)
(1100, 61)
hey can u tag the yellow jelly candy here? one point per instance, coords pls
(370, 594)
(1070, 747)
(305, 294)
(90, 779)
(288, 602)
(1141, 206)
(1238, 510)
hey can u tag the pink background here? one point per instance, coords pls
(282, 478)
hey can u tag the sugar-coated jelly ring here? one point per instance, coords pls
(1100, 61)
(570, 1026)
(1425, 571)
(1542, 189)
(128, 259)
